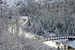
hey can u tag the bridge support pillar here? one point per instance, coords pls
(65, 47)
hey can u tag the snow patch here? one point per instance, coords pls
(71, 44)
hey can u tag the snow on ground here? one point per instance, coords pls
(51, 44)
(71, 44)
(63, 41)
(66, 42)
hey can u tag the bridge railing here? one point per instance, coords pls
(59, 37)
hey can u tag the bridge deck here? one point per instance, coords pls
(60, 37)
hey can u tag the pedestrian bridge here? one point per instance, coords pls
(68, 41)
(60, 37)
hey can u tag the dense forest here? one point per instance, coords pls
(44, 17)
(49, 16)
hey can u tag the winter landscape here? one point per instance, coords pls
(37, 24)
